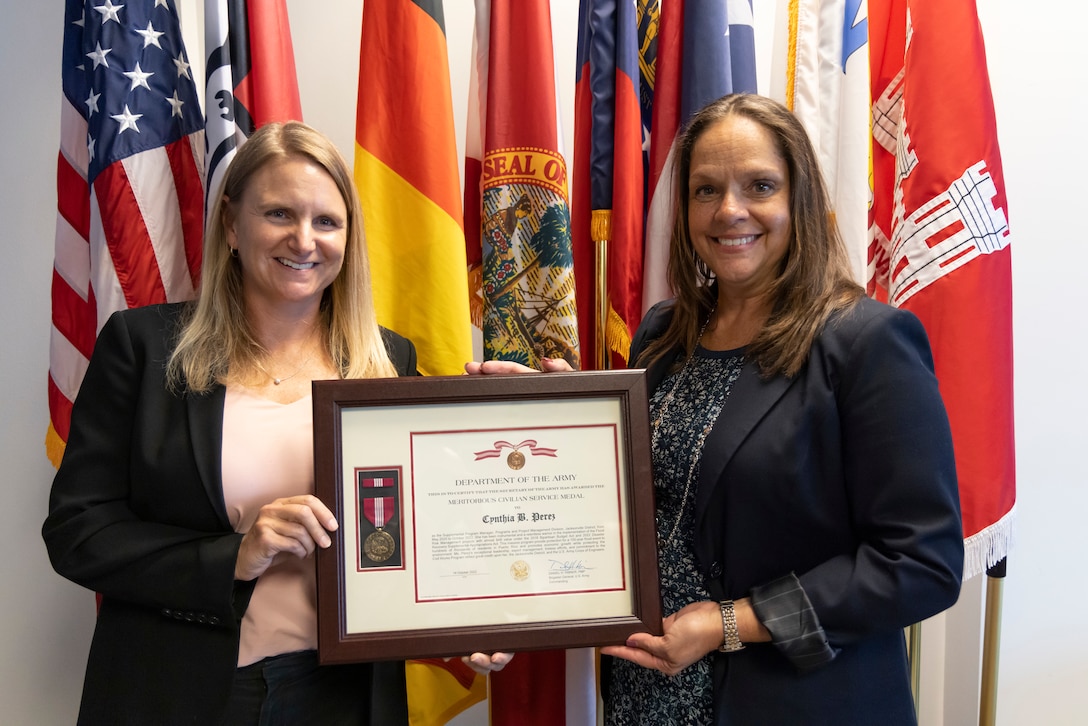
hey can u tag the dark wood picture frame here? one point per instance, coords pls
(333, 399)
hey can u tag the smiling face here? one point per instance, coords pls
(739, 205)
(290, 230)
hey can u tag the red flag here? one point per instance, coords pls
(607, 209)
(940, 239)
(129, 189)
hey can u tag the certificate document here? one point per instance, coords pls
(533, 511)
(504, 519)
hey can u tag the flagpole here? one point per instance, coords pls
(914, 640)
(991, 640)
(601, 230)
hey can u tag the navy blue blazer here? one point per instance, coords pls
(845, 476)
(136, 514)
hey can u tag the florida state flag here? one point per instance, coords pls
(940, 239)
(516, 190)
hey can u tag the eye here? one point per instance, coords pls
(763, 187)
(703, 191)
(330, 223)
(276, 214)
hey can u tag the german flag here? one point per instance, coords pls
(406, 169)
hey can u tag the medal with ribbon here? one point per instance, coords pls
(379, 545)
(515, 459)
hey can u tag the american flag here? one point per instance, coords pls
(130, 209)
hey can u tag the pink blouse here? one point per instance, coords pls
(268, 454)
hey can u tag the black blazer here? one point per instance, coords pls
(843, 475)
(136, 514)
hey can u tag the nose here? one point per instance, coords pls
(732, 207)
(303, 238)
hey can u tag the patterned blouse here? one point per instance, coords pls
(683, 410)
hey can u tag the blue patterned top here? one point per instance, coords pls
(683, 409)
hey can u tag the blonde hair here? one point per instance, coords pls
(216, 337)
(815, 279)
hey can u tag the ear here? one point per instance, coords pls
(226, 217)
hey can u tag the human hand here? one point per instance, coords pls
(689, 634)
(489, 367)
(483, 663)
(293, 526)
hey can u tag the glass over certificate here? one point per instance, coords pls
(483, 513)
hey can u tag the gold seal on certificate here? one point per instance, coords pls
(520, 570)
(379, 546)
(515, 460)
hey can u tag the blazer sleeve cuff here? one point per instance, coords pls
(785, 610)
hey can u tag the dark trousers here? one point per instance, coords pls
(293, 690)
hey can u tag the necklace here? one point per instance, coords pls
(697, 449)
(277, 381)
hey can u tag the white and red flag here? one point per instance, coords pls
(940, 239)
(129, 182)
(251, 77)
(827, 87)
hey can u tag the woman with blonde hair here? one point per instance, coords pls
(185, 495)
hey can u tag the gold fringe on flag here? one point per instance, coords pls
(612, 332)
(54, 446)
(475, 296)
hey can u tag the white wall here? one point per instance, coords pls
(45, 622)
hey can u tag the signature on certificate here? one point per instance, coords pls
(568, 566)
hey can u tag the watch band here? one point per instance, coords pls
(731, 641)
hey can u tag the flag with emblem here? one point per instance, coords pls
(408, 180)
(704, 51)
(251, 76)
(607, 209)
(129, 182)
(518, 248)
(520, 187)
(940, 239)
(827, 87)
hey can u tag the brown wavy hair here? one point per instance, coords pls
(815, 279)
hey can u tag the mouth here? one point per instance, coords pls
(296, 265)
(734, 241)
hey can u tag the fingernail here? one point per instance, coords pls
(332, 524)
(325, 542)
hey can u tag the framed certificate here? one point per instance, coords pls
(484, 513)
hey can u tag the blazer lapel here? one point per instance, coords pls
(206, 433)
(749, 401)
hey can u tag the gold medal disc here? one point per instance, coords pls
(515, 460)
(379, 546)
